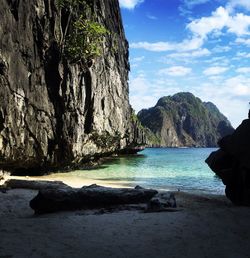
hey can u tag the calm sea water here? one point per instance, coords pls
(159, 168)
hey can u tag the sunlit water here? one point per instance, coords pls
(160, 168)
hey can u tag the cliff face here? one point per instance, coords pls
(53, 112)
(183, 120)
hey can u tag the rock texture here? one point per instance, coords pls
(184, 120)
(54, 113)
(93, 196)
(162, 202)
(232, 164)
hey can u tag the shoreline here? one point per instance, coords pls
(76, 182)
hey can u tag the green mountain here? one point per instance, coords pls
(184, 120)
(63, 84)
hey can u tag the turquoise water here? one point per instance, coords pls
(159, 168)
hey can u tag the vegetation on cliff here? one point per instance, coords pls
(184, 120)
(83, 36)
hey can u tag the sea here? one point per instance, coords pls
(175, 169)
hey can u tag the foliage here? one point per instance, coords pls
(86, 39)
(69, 3)
(106, 140)
(86, 36)
(153, 139)
(134, 117)
(135, 120)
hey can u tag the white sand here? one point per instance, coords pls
(73, 181)
(208, 226)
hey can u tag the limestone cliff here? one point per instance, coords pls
(184, 120)
(55, 112)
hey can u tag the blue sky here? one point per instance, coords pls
(200, 46)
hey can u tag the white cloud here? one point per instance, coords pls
(130, 4)
(140, 102)
(215, 70)
(191, 3)
(243, 54)
(219, 20)
(165, 91)
(184, 11)
(190, 44)
(215, 25)
(187, 5)
(238, 3)
(137, 59)
(221, 49)
(193, 54)
(139, 85)
(216, 59)
(243, 70)
(176, 71)
(157, 46)
(216, 78)
(143, 98)
(243, 41)
(231, 96)
(205, 25)
(186, 45)
(152, 17)
(239, 86)
(239, 24)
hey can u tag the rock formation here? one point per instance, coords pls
(184, 120)
(93, 196)
(54, 112)
(56, 196)
(232, 164)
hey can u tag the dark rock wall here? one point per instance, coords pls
(232, 164)
(184, 120)
(53, 113)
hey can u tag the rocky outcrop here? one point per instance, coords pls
(232, 164)
(184, 120)
(54, 112)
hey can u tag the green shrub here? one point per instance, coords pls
(70, 3)
(85, 41)
(105, 139)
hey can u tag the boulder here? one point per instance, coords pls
(232, 164)
(161, 202)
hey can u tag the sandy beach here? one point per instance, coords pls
(205, 226)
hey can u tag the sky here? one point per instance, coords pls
(199, 46)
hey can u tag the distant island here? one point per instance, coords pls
(183, 120)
